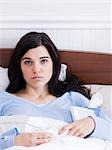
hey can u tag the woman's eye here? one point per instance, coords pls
(28, 62)
(44, 61)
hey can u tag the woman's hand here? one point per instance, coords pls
(32, 139)
(79, 128)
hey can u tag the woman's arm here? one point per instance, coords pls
(12, 138)
(89, 126)
(7, 138)
(103, 128)
(100, 123)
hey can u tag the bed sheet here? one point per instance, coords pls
(59, 142)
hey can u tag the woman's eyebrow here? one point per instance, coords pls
(44, 57)
(25, 58)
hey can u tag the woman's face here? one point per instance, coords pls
(37, 67)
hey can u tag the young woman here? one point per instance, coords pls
(34, 72)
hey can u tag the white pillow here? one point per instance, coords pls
(106, 92)
(4, 81)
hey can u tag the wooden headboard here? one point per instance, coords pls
(91, 67)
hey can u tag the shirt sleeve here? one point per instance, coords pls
(7, 138)
(103, 128)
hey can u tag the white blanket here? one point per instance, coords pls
(59, 142)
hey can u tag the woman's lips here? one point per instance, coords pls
(37, 77)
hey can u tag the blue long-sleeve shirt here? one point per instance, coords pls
(57, 109)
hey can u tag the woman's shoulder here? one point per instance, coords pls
(3, 93)
(73, 95)
(5, 96)
(77, 98)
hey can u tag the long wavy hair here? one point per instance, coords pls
(56, 87)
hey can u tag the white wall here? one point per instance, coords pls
(72, 24)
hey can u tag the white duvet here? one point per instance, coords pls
(59, 142)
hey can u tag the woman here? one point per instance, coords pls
(34, 72)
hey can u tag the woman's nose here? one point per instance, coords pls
(36, 68)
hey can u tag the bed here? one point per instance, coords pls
(95, 69)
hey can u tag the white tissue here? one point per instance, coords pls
(80, 112)
(53, 130)
(96, 100)
(62, 75)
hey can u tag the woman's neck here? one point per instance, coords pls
(38, 95)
